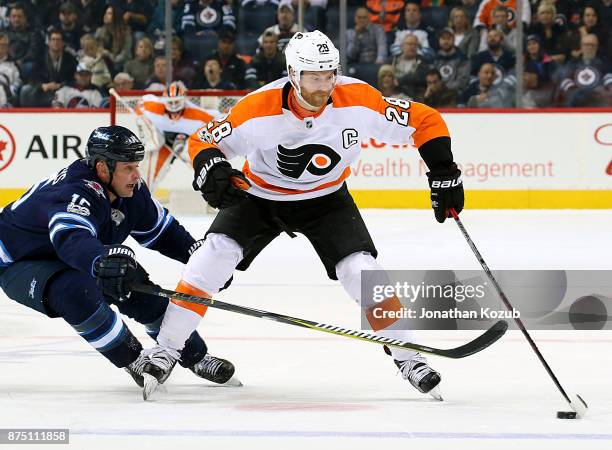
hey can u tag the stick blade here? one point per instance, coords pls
(483, 341)
(579, 406)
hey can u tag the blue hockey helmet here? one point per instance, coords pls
(113, 144)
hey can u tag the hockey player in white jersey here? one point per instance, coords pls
(164, 124)
(299, 136)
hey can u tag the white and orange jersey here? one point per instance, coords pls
(484, 15)
(288, 158)
(190, 120)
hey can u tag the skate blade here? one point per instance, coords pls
(435, 393)
(150, 386)
(234, 382)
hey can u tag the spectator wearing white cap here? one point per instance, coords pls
(123, 81)
(79, 94)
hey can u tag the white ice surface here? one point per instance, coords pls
(304, 389)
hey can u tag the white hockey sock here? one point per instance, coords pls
(349, 273)
(208, 269)
(177, 326)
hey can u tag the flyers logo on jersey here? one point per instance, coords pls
(316, 159)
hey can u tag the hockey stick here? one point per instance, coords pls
(474, 346)
(577, 404)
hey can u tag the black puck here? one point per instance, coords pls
(566, 415)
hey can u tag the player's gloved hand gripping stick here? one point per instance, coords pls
(446, 191)
(220, 184)
(116, 270)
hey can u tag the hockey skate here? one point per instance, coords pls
(420, 375)
(135, 368)
(217, 370)
(157, 368)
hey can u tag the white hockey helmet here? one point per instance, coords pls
(311, 51)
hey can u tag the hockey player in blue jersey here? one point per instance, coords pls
(61, 253)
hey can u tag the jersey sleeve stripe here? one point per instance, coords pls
(5, 257)
(265, 185)
(76, 218)
(151, 241)
(161, 214)
(63, 227)
(27, 195)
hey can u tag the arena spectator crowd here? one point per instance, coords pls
(446, 53)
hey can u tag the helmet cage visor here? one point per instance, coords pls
(175, 104)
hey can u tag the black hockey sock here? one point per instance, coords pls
(76, 298)
(107, 333)
(194, 350)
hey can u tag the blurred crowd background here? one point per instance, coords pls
(446, 53)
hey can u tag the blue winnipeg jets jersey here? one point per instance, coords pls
(69, 216)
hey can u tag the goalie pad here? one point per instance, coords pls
(158, 155)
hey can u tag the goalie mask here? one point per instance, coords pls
(174, 97)
(312, 52)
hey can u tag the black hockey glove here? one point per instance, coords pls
(216, 180)
(446, 191)
(116, 270)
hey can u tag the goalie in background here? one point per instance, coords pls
(164, 124)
